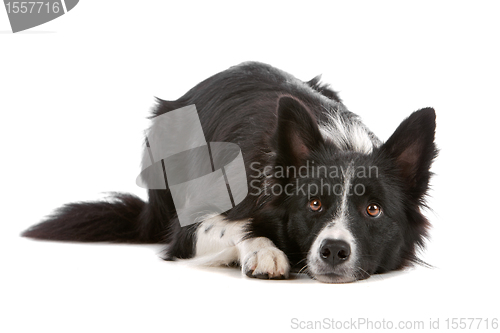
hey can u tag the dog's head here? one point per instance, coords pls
(351, 214)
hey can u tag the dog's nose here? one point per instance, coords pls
(334, 251)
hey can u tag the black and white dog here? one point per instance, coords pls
(326, 196)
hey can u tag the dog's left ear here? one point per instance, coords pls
(412, 149)
(297, 132)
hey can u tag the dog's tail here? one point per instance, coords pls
(119, 219)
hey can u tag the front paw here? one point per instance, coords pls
(266, 263)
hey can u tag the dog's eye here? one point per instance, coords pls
(373, 210)
(315, 205)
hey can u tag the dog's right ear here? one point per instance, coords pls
(297, 132)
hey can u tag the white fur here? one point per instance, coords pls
(259, 256)
(342, 133)
(337, 229)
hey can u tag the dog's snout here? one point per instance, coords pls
(334, 251)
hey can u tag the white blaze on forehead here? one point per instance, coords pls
(337, 229)
(348, 175)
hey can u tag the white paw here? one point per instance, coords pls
(266, 263)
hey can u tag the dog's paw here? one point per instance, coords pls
(266, 263)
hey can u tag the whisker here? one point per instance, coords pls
(304, 269)
(298, 262)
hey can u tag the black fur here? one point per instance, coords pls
(274, 118)
(116, 220)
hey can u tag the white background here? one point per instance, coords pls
(74, 97)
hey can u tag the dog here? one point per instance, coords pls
(326, 197)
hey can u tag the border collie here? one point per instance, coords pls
(326, 196)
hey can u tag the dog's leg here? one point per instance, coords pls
(260, 258)
(219, 242)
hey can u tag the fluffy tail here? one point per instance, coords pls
(117, 220)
